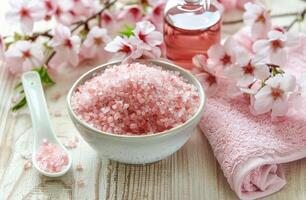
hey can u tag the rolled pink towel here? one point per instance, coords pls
(251, 148)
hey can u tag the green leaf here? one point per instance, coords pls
(20, 104)
(8, 44)
(45, 80)
(18, 86)
(44, 76)
(83, 33)
(17, 36)
(127, 31)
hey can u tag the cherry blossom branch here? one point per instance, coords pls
(108, 4)
(50, 58)
(272, 16)
(298, 18)
(39, 34)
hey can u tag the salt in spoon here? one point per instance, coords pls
(41, 124)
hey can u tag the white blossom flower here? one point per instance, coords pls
(275, 46)
(66, 46)
(95, 42)
(25, 13)
(274, 95)
(247, 70)
(223, 55)
(125, 48)
(23, 56)
(145, 32)
(258, 18)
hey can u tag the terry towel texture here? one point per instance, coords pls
(250, 149)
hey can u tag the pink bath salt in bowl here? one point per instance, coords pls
(135, 99)
(51, 158)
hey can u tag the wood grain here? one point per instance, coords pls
(191, 173)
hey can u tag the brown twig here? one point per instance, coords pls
(108, 4)
(298, 18)
(50, 57)
(272, 16)
(36, 35)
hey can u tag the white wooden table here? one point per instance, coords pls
(191, 173)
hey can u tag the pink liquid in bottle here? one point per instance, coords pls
(190, 29)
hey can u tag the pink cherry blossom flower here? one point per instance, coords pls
(85, 8)
(64, 13)
(253, 88)
(125, 48)
(247, 70)
(244, 39)
(67, 46)
(258, 18)
(155, 52)
(275, 46)
(110, 22)
(145, 32)
(23, 56)
(274, 95)
(130, 14)
(207, 75)
(95, 42)
(156, 15)
(107, 18)
(223, 55)
(50, 7)
(25, 13)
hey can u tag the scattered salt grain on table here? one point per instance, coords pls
(71, 143)
(57, 113)
(81, 183)
(27, 164)
(135, 99)
(51, 158)
(79, 167)
(26, 155)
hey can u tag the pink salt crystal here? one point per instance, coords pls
(27, 164)
(71, 143)
(26, 155)
(57, 113)
(79, 167)
(56, 96)
(81, 183)
(51, 158)
(45, 142)
(135, 99)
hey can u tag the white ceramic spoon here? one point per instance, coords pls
(41, 124)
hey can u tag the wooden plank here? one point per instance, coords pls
(191, 173)
(188, 174)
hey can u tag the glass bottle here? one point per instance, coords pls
(190, 28)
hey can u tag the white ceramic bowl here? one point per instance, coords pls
(144, 148)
